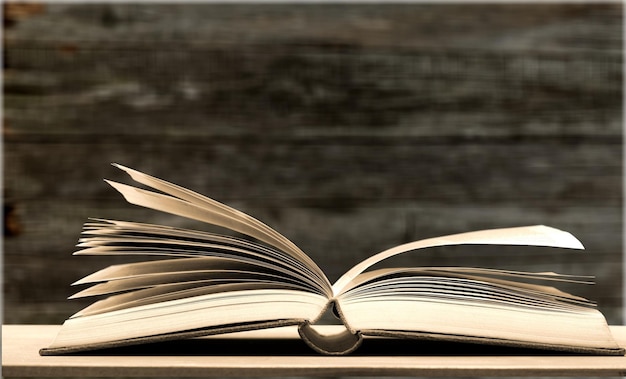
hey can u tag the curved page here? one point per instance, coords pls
(538, 235)
(183, 202)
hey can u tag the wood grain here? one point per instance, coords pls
(349, 128)
(201, 360)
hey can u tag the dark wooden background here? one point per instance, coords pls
(349, 128)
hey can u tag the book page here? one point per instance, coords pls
(487, 274)
(183, 202)
(537, 235)
(514, 324)
(117, 236)
(462, 305)
(177, 291)
(217, 309)
(483, 293)
(125, 277)
(106, 237)
(198, 278)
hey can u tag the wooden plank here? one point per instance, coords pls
(330, 172)
(279, 89)
(424, 24)
(318, 69)
(21, 344)
(349, 127)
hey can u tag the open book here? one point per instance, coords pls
(204, 283)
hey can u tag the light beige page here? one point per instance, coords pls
(537, 235)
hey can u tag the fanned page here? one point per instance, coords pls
(537, 235)
(183, 202)
(107, 237)
(206, 284)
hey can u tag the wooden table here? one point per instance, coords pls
(279, 352)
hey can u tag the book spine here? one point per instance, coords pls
(342, 342)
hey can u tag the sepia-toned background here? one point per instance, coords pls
(348, 128)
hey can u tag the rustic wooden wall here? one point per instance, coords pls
(349, 128)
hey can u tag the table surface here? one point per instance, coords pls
(279, 352)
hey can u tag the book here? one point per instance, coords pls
(196, 283)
